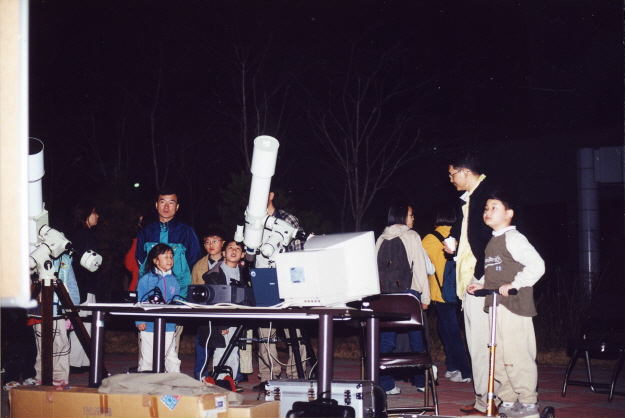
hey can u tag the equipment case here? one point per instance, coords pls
(367, 399)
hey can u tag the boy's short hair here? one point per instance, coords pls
(508, 201)
(238, 244)
(466, 159)
(214, 232)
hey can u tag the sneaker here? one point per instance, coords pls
(457, 377)
(394, 391)
(450, 373)
(505, 408)
(519, 410)
(11, 385)
(32, 381)
(435, 372)
(422, 390)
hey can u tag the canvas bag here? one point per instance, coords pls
(393, 267)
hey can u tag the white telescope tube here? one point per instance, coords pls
(263, 167)
(35, 199)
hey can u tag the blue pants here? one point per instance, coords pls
(201, 356)
(449, 331)
(388, 340)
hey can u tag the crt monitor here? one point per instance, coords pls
(332, 269)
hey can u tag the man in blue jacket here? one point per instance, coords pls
(174, 233)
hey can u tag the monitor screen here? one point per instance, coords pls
(332, 269)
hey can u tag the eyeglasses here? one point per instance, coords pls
(451, 176)
(215, 241)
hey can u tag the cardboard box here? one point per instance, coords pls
(48, 402)
(255, 409)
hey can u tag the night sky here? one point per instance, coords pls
(110, 77)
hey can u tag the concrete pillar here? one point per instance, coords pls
(588, 196)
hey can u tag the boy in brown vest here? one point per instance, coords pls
(512, 263)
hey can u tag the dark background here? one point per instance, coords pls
(118, 88)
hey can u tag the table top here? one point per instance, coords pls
(235, 311)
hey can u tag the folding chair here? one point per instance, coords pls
(602, 338)
(403, 303)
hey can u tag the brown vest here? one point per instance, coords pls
(500, 268)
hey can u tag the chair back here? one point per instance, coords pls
(398, 303)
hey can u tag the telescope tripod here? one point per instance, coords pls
(48, 287)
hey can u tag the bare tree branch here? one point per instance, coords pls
(364, 128)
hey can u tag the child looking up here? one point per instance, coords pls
(159, 264)
(228, 272)
(214, 239)
(512, 263)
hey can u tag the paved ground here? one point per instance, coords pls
(579, 402)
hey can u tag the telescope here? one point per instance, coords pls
(52, 244)
(250, 230)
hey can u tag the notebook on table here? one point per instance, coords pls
(265, 287)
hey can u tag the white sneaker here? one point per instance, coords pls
(10, 385)
(32, 381)
(394, 391)
(519, 410)
(435, 371)
(457, 377)
(450, 373)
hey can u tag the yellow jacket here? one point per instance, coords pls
(434, 249)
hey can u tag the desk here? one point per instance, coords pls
(325, 316)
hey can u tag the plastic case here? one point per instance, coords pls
(367, 399)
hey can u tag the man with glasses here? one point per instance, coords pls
(472, 236)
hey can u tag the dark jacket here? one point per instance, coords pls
(478, 232)
(88, 282)
(183, 241)
(217, 276)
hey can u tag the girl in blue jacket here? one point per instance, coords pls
(159, 275)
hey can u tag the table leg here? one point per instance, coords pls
(96, 364)
(326, 357)
(372, 367)
(158, 359)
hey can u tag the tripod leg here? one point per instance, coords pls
(310, 352)
(222, 361)
(76, 320)
(47, 337)
(297, 358)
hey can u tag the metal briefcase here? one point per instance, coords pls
(367, 399)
